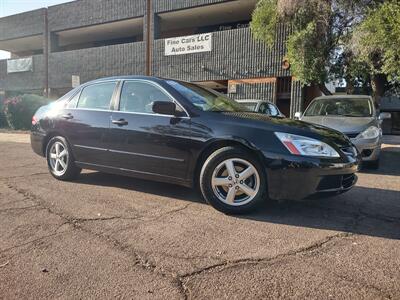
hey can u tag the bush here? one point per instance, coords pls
(19, 110)
(3, 121)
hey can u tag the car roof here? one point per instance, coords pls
(345, 97)
(125, 77)
(252, 101)
(128, 77)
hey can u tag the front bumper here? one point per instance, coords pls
(298, 178)
(369, 149)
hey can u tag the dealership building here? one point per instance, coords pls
(205, 41)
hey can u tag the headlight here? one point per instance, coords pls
(301, 145)
(370, 133)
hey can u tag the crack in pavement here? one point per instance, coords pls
(22, 176)
(20, 208)
(38, 164)
(142, 218)
(356, 218)
(55, 233)
(138, 217)
(234, 263)
(13, 201)
(363, 284)
(4, 264)
(29, 196)
(141, 260)
(183, 279)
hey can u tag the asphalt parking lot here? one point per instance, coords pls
(108, 236)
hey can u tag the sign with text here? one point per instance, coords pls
(20, 65)
(76, 81)
(188, 44)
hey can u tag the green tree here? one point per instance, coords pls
(376, 44)
(320, 30)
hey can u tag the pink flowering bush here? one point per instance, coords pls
(19, 110)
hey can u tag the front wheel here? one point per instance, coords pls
(233, 181)
(60, 161)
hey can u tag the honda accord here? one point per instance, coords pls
(181, 133)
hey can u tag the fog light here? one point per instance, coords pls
(367, 153)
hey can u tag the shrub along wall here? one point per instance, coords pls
(3, 122)
(18, 111)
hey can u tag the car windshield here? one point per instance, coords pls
(251, 106)
(205, 99)
(346, 107)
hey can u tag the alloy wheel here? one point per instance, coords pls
(58, 158)
(235, 182)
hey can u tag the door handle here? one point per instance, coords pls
(120, 122)
(67, 116)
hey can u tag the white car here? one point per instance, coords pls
(262, 107)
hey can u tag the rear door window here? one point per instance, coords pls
(97, 96)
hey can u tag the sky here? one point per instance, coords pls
(11, 7)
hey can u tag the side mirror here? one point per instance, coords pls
(164, 108)
(385, 116)
(297, 115)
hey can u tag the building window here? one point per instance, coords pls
(114, 33)
(210, 18)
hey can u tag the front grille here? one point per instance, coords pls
(330, 182)
(366, 153)
(336, 183)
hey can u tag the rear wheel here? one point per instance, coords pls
(233, 181)
(60, 161)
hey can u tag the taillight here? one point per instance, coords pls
(34, 120)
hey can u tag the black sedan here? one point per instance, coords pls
(181, 133)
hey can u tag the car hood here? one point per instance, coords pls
(342, 124)
(292, 126)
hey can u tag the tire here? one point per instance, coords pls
(228, 189)
(60, 160)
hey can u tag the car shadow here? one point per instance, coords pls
(389, 163)
(140, 185)
(362, 211)
(365, 211)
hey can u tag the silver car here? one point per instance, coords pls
(354, 116)
(262, 107)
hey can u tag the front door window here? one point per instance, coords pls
(138, 97)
